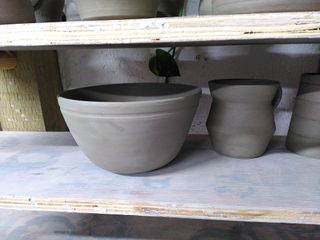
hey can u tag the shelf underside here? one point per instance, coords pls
(17, 225)
(48, 172)
(300, 27)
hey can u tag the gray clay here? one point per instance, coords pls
(304, 133)
(241, 121)
(130, 128)
(116, 9)
(209, 7)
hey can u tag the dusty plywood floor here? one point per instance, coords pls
(15, 225)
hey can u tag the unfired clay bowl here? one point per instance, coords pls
(130, 128)
(209, 7)
(16, 11)
(116, 9)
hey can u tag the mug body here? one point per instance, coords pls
(241, 121)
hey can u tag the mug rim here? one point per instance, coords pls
(243, 82)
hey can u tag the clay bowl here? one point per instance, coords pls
(116, 9)
(130, 128)
(209, 7)
(16, 11)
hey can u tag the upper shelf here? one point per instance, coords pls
(302, 27)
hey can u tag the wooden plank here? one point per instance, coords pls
(183, 31)
(280, 187)
(61, 226)
(28, 94)
(49, 83)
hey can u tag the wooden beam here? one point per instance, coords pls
(302, 27)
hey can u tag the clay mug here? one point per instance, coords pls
(304, 132)
(241, 121)
(16, 11)
(209, 7)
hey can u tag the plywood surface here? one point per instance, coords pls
(204, 30)
(47, 171)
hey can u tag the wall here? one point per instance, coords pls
(286, 63)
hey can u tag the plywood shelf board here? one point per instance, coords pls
(182, 31)
(48, 172)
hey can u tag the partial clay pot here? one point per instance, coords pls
(130, 128)
(304, 132)
(16, 11)
(116, 9)
(241, 121)
(212, 7)
(71, 11)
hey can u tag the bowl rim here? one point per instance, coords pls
(194, 90)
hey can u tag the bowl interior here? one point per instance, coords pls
(243, 82)
(130, 92)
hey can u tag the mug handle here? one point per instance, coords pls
(277, 99)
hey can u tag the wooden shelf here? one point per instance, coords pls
(298, 27)
(48, 172)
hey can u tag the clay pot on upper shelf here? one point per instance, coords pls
(116, 9)
(241, 121)
(209, 7)
(16, 11)
(48, 10)
(130, 128)
(71, 11)
(304, 133)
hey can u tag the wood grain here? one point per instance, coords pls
(280, 187)
(181, 31)
(49, 84)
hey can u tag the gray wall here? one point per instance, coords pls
(198, 65)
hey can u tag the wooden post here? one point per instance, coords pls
(28, 93)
